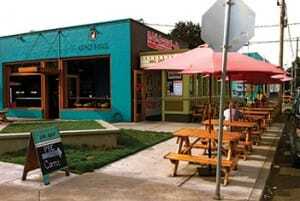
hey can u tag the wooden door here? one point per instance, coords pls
(138, 96)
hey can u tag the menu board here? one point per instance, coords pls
(45, 151)
(177, 88)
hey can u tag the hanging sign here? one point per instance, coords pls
(45, 151)
(158, 42)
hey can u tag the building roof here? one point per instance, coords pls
(83, 25)
(256, 56)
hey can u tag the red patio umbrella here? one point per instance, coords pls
(205, 61)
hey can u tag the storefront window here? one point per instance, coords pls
(88, 83)
(25, 91)
(175, 84)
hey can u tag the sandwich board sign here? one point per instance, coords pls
(45, 151)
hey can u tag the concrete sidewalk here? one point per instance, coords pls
(245, 184)
(146, 176)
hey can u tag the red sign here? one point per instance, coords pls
(158, 42)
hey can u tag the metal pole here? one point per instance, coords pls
(281, 37)
(224, 67)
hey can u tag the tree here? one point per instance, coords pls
(187, 32)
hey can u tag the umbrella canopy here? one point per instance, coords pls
(253, 79)
(286, 79)
(206, 61)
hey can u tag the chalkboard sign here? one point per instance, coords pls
(45, 151)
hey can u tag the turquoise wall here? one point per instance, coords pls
(113, 38)
(25, 113)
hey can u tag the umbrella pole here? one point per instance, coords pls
(229, 98)
(224, 67)
(251, 96)
(210, 117)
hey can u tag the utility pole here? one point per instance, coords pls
(296, 66)
(282, 23)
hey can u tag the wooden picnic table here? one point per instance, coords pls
(262, 125)
(266, 114)
(261, 120)
(248, 126)
(240, 124)
(267, 109)
(213, 135)
(185, 146)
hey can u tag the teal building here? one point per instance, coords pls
(78, 72)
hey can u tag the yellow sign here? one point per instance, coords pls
(150, 59)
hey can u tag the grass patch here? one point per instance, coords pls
(85, 159)
(62, 125)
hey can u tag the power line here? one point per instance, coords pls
(257, 26)
(160, 25)
(271, 41)
(276, 25)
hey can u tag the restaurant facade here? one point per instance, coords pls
(82, 72)
(179, 93)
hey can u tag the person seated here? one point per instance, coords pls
(232, 112)
(264, 99)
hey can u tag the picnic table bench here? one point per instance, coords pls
(184, 152)
(199, 112)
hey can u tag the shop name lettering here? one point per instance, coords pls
(93, 46)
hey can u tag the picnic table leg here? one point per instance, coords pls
(229, 153)
(176, 163)
(244, 150)
(188, 144)
(226, 176)
(234, 154)
(249, 140)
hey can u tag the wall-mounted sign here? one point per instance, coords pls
(158, 42)
(93, 46)
(150, 59)
(174, 76)
(45, 151)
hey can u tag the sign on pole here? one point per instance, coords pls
(226, 26)
(45, 151)
(241, 30)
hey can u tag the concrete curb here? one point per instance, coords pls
(260, 184)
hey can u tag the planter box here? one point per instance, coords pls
(105, 138)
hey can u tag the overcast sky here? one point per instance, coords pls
(19, 16)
